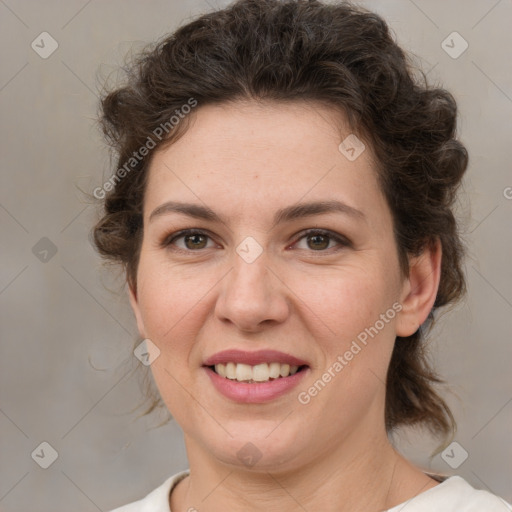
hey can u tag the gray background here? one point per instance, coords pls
(67, 375)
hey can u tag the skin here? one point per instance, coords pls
(305, 296)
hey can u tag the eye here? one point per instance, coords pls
(191, 240)
(317, 240)
(320, 240)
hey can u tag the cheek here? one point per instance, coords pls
(173, 308)
(346, 299)
(357, 345)
(358, 340)
(169, 296)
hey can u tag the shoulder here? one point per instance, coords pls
(455, 494)
(157, 500)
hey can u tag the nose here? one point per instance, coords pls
(252, 296)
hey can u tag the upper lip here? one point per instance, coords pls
(253, 358)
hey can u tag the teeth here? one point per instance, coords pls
(221, 369)
(259, 373)
(230, 371)
(274, 370)
(243, 372)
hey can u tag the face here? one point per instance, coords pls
(264, 269)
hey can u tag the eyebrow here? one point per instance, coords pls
(287, 214)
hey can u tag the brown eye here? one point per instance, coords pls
(195, 241)
(187, 240)
(318, 242)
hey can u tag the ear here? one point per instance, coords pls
(132, 293)
(419, 290)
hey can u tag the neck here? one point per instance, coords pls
(363, 474)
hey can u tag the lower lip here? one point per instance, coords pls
(257, 392)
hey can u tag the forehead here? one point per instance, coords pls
(264, 156)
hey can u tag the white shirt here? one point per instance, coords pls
(452, 495)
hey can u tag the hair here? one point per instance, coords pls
(294, 50)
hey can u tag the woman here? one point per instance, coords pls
(282, 207)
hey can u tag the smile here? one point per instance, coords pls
(263, 372)
(254, 377)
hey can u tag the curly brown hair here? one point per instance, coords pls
(293, 50)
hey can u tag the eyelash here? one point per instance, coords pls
(341, 240)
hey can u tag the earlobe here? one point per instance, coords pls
(419, 290)
(134, 302)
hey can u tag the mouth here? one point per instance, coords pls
(254, 377)
(263, 372)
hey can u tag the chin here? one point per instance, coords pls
(257, 450)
